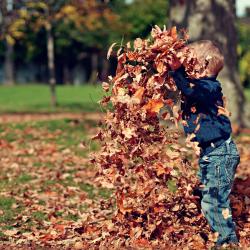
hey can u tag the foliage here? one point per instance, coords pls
(83, 22)
(89, 25)
(12, 21)
(141, 16)
(84, 25)
(244, 53)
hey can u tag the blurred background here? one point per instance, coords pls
(53, 53)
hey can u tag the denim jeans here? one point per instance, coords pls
(216, 172)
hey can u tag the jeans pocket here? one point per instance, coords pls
(226, 169)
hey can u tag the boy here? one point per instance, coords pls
(202, 102)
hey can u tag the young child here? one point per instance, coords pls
(202, 102)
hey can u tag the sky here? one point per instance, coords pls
(241, 5)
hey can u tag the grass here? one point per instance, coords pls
(36, 98)
(8, 211)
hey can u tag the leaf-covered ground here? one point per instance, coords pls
(47, 185)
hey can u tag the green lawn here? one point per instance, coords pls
(36, 98)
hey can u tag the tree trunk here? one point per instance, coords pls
(215, 20)
(105, 68)
(9, 65)
(51, 65)
(94, 68)
(66, 74)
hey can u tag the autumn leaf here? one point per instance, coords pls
(120, 205)
(154, 106)
(141, 243)
(129, 132)
(223, 111)
(138, 43)
(110, 50)
(193, 109)
(137, 97)
(105, 86)
(173, 33)
(161, 67)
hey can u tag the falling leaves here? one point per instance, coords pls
(140, 157)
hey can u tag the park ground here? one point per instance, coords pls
(47, 183)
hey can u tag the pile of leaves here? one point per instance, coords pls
(141, 156)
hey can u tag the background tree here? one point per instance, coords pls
(141, 15)
(42, 15)
(243, 49)
(215, 20)
(96, 27)
(11, 24)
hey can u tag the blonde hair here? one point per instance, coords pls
(208, 54)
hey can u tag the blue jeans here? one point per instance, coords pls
(217, 170)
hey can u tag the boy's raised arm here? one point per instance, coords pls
(182, 82)
(199, 91)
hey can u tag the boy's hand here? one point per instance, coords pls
(181, 58)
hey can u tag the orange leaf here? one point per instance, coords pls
(169, 102)
(59, 227)
(142, 242)
(120, 205)
(153, 106)
(193, 109)
(173, 32)
(161, 67)
(138, 94)
(159, 209)
(223, 111)
(160, 169)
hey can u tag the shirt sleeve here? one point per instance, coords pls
(182, 82)
(199, 91)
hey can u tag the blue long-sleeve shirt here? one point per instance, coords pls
(200, 101)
